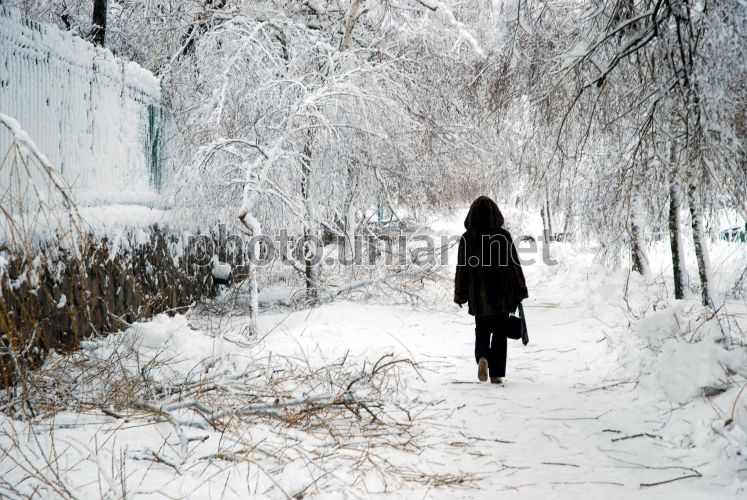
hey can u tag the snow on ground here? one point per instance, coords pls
(586, 409)
(109, 219)
(568, 421)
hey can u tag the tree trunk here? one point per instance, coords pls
(544, 222)
(637, 242)
(549, 212)
(256, 231)
(545, 236)
(636, 250)
(98, 35)
(675, 236)
(311, 258)
(701, 248)
(568, 222)
(350, 225)
(350, 20)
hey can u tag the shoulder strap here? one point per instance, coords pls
(524, 332)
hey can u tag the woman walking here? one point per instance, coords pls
(488, 278)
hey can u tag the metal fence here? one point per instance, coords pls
(96, 117)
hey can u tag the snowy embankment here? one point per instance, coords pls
(607, 399)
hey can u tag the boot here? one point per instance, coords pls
(496, 380)
(482, 369)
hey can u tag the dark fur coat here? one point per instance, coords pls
(488, 275)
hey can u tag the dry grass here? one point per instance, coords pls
(40, 231)
(338, 416)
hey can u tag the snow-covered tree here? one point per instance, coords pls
(649, 90)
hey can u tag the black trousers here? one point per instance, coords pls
(491, 342)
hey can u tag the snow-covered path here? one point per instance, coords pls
(562, 425)
(573, 418)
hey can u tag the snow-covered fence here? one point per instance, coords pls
(96, 117)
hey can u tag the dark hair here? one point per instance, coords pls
(483, 216)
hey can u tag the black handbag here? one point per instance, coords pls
(517, 326)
